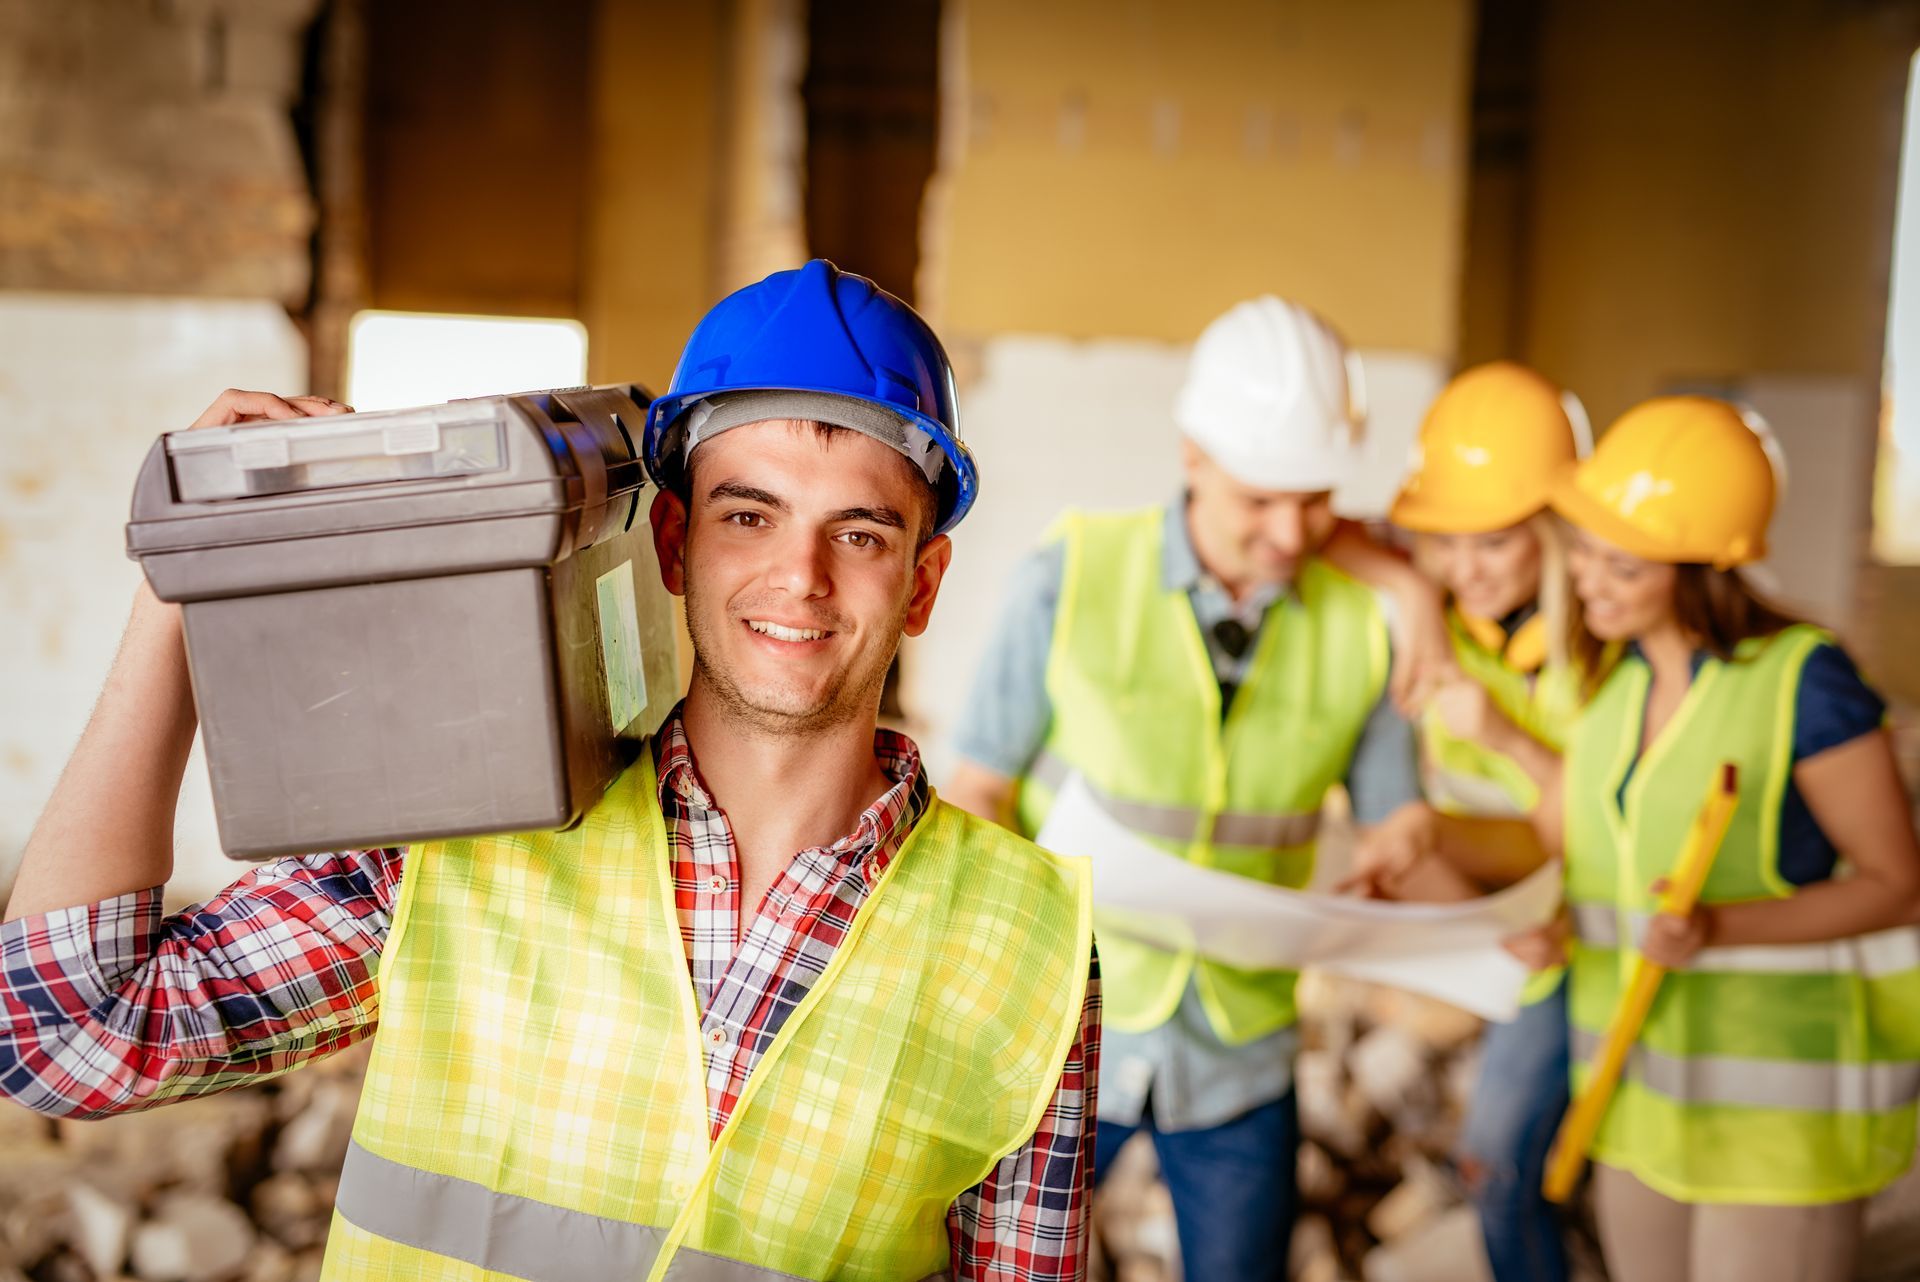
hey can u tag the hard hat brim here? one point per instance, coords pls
(957, 494)
(1423, 515)
(1584, 512)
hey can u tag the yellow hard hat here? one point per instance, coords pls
(1680, 479)
(1490, 449)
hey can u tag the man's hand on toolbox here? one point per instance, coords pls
(236, 406)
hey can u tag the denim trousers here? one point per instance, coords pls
(1516, 1108)
(1233, 1186)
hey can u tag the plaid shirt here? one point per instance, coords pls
(110, 1007)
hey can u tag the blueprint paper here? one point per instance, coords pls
(1450, 951)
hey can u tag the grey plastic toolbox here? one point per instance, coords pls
(417, 623)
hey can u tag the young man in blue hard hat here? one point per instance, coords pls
(1211, 676)
(747, 1020)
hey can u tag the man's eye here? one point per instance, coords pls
(861, 539)
(748, 519)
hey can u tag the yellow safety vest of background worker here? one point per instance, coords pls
(1490, 449)
(1212, 677)
(1773, 1084)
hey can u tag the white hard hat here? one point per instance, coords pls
(1273, 396)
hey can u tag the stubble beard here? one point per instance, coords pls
(778, 712)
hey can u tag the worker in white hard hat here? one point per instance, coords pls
(1211, 675)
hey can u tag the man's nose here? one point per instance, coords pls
(799, 566)
(1287, 528)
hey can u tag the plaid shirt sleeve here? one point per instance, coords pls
(1030, 1219)
(109, 1007)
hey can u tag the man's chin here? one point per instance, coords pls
(1275, 574)
(779, 706)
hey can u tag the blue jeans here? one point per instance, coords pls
(1233, 1189)
(1516, 1108)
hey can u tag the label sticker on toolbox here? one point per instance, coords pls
(620, 646)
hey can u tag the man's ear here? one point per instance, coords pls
(669, 518)
(929, 567)
(1193, 459)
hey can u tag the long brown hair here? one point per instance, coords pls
(1721, 609)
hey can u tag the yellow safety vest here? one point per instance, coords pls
(1770, 1075)
(1464, 777)
(536, 1106)
(1136, 710)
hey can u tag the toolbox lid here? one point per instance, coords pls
(499, 481)
(462, 438)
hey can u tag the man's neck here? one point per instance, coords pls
(781, 793)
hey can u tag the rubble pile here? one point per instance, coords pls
(235, 1187)
(1383, 1080)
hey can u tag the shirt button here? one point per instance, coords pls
(681, 1188)
(716, 1036)
(718, 885)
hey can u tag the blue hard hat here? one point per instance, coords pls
(838, 338)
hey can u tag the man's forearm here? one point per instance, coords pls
(108, 828)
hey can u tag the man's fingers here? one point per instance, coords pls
(236, 405)
(319, 405)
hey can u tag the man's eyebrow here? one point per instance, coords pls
(740, 490)
(872, 515)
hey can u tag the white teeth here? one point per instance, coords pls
(780, 632)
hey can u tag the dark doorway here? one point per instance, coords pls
(872, 98)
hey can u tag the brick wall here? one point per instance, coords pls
(148, 147)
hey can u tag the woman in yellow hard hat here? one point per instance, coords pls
(1490, 449)
(1773, 1086)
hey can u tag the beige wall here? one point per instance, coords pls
(1713, 192)
(87, 381)
(1712, 206)
(1133, 170)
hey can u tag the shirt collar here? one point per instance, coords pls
(882, 827)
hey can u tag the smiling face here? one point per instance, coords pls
(1490, 575)
(1621, 595)
(798, 551)
(1249, 537)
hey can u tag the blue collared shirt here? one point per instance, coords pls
(1189, 1076)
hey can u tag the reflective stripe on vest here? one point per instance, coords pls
(1136, 711)
(1183, 823)
(526, 1239)
(1876, 956)
(1801, 1085)
(538, 1082)
(1774, 1075)
(1455, 792)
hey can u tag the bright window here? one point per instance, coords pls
(401, 359)
(1896, 501)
